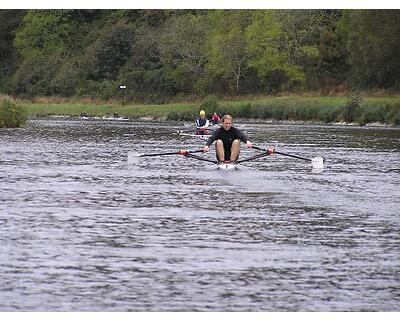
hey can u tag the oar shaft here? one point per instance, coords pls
(291, 155)
(201, 158)
(261, 155)
(170, 153)
(284, 154)
(159, 154)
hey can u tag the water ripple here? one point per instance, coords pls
(83, 230)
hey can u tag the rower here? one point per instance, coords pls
(227, 141)
(202, 123)
(215, 118)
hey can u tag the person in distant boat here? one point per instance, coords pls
(227, 141)
(202, 123)
(215, 118)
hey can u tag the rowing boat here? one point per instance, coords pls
(316, 162)
(201, 136)
(192, 135)
(227, 166)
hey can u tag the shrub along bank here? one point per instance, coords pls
(351, 109)
(11, 115)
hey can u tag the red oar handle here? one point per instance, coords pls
(186, 152)
(269, 150)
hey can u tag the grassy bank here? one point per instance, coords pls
(297, 108)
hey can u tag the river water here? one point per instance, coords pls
(84, 230)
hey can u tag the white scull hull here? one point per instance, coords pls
(227, 166)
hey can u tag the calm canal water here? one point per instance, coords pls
(83, 230)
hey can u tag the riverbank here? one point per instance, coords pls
(325, 109)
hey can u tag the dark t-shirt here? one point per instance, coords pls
(227, 137)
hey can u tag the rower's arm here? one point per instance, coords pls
(243, 138)
(213, 137)
(241, 135)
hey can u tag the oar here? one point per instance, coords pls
(182, 152)
(201, 158)
(317, 162)
(133, 158)
(261, 155)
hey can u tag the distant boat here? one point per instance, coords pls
(201, 136)
(115, 117)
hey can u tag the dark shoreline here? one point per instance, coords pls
(237, 120)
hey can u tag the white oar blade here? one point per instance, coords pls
(317, 162)
(133, 158)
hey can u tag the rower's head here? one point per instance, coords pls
(202, 113)
(227, 122)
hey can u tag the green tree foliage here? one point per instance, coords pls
(144, 73)
(110, 52)
(351, 107)
(373, 40)
(47, 33)
(161, 54)
(210, 104)
(266, 54)
(331, 67)
(9, 22)
(45, 40)
(306, 34)
(33, 77)
(301, 30)
(182, 49)
(227, 46)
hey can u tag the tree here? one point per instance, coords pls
(182, 48)
(110, 52)
(301, 31)
(48, 32)
(267, 56)
(9, 22)
(373, 40)
(144, 72)
(331, 67)
(227, 44)
(45, 40)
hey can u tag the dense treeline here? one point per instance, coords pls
(163, 54)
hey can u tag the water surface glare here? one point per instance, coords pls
(83, 230)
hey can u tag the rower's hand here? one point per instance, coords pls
(271, 150)
(206, 149)
(249, 144)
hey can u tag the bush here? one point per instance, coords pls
(210, 104)
(226, 109)
(393, 114)
(181, 116)
(329, 114)
(371, 114)
(351, 108)
(11, 115)
(244, 111)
